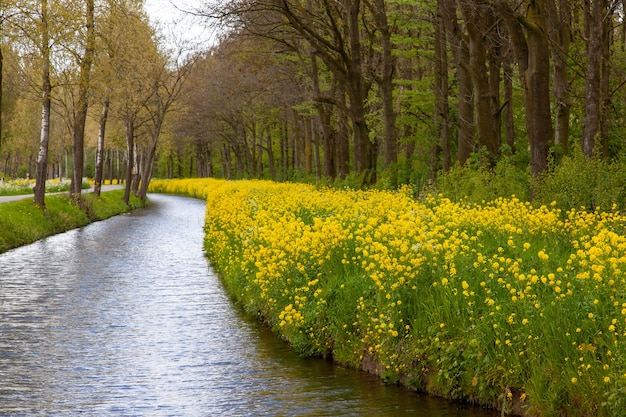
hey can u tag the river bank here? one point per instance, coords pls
(114, 319)
(21, 222)
(503, 304)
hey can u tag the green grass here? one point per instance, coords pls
(21, 222)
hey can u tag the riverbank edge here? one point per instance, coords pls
(372, 365)
(22, 223)
(514, 406)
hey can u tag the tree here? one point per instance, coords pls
(559, 19)
(78, 137)
(398, 50)
(41, 171)
(484, 68)
(333, 30)
(442, 110)
(459, 47)
(133, 59)
(4, 15)
(99, 174)
(168, 88)
(529, 37)
(384, 77)
(597, 25)
(1, 73)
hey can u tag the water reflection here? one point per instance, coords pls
(124, 317)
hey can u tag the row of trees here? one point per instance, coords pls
(362, 89)
(83, 76)
(371, 87)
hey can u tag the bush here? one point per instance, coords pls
(479, 183)
(579, 182)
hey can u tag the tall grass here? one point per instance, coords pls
(518, 307)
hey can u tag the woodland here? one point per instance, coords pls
(369, 93)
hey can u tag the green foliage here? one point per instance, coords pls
(477, 183)
(578, 182)
(574, 182)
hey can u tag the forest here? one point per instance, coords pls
(529, 94)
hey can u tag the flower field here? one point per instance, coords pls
(24, 186)
(519, 307)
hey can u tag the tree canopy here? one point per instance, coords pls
(374, 91)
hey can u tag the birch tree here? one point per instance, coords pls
(41, 170)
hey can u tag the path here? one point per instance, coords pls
(8, 198)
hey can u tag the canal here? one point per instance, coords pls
(126, 318)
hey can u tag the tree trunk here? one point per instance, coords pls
(270, 153)
(442, 111)
(460, 51)
(605, 84)
(100, 149)
(537, 80)
(316, 152)
(495, 69)
(295, 148)
(343, 151)
(385, 81)
(509, 122)
(253, 160)
(78, 140)
(284, 158)
(130, 149)
(308, 145)
(1, 85)
(137, 171)
(530, 41)
(479, 22)
(560, 39)
(329, 136)
(149, 161)
(41, 171)
(593, 16)
(364, 150)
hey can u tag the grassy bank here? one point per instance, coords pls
(518, 307)
(22, 223)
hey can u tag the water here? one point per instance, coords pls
(125, 317)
